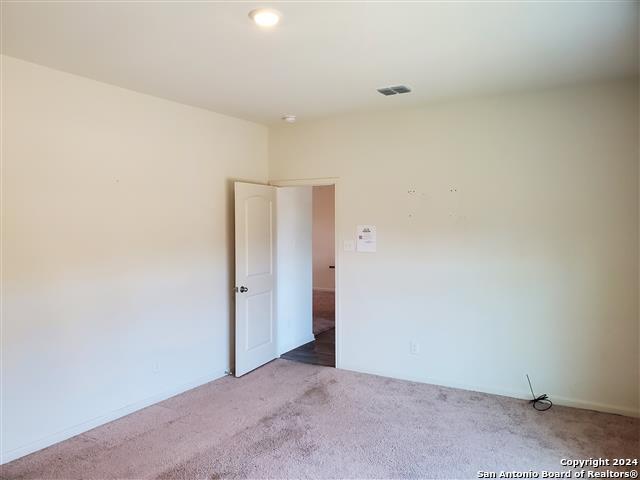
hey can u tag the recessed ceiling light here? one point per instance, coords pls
(265, 17)
(289, 118)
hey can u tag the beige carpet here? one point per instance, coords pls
(292, 420)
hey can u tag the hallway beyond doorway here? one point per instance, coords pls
(324, 311)
(319, 352)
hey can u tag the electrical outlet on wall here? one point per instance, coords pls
(414, 347)
(156, 367)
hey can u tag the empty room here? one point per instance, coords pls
(319, 239)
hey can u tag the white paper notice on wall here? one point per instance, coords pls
(366, 238)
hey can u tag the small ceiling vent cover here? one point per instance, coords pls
(393, 90)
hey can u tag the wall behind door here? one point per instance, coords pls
(294, 272)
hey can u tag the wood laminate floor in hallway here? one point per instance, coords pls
(322, 351)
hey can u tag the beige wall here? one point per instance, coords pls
(507, 240)
(324, 252)
(294, 267)
(117, 249)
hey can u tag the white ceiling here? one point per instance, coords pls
(325, 58)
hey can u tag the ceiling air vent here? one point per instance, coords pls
(393, 90)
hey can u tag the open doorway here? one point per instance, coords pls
(274, 280)
(321, 350)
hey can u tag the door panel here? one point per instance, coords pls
(258, 236)
(256, 329)
(259, 322)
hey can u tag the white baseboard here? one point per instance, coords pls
(101, 420)
(322, 289)
(296, 344)
(524, 395)
(599, 407)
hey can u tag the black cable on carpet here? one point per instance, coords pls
(540, 403)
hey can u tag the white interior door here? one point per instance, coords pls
(256, 328)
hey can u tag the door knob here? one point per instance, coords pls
(243, 289)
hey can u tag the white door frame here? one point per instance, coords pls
(319, 182)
